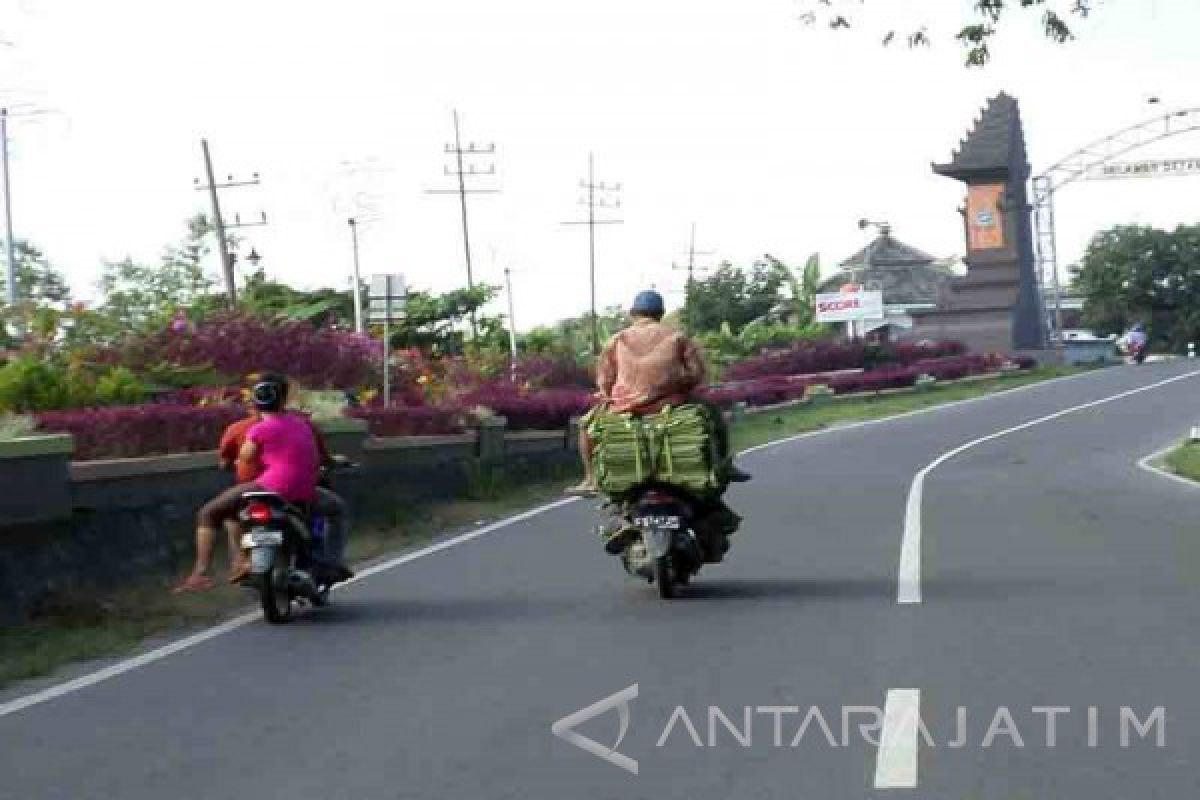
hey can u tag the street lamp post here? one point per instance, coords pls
(884, 229)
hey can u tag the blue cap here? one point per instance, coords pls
(648, 302)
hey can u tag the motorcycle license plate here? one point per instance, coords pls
(262, 539)
(663, 522)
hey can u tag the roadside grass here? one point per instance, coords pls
(90, 626)
(1184, 461)
(756, 429)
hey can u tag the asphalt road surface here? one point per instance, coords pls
(1049, 571)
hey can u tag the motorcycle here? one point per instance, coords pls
(667, 536)
(286, 545)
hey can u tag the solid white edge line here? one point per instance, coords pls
(909, 574)
(1147, 464)
(159, 653)
(896, 758)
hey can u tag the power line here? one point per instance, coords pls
(609, 200)
(213, 188)
(462, 171)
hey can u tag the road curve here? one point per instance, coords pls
(1054, 573)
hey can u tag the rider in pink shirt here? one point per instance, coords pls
(285, 447)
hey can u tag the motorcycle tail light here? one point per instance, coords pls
(259, 512)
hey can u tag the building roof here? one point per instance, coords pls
(996, 142)
(886, 250)
(905, 274)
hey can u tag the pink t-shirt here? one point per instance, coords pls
(289, 457)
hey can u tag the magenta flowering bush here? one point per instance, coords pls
(762, 392)
(145, 430)
(827, 356)
(235, 345)
(413, 420)
(544, 409)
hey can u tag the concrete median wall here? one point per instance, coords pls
(76, 527)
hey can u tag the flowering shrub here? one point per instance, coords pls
(235, 345)
(545, 409)
(130, 431)
(412, 420)
(762, 392)
(823, 356)
(875, 380)
(561, 372)
(201, 396)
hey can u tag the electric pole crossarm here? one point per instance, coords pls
(595, 222)
(465, 191)
(200, 188)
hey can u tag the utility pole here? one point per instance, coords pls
(358, 311)
(512, 323)
(11, 280)
(461, 171)
(213, 189)
(691, 274)
(607, 199)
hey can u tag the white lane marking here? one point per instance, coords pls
(896, 759)
(135, 662)
(159, 653)
(1147, 464)
(850, 426)
(909, 581)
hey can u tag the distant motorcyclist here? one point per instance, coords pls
(1134, 342)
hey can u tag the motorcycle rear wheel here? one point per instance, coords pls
(274, 591)
(664, 578)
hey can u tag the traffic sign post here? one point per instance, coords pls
(388, 296)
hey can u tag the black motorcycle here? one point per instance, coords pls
(668, 535)
(286, 547)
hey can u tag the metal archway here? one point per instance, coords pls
(1076, 166)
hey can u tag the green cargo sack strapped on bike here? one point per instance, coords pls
(674, 446)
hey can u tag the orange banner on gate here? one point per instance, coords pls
(985, 222)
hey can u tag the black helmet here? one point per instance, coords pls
(270, 392)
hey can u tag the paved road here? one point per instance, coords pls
(1054, 573)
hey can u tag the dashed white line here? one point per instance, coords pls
(896, 759)
(909, 580)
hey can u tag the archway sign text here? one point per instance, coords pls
(1148, 168)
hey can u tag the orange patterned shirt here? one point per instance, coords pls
(647, 366)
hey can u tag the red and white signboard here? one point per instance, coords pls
(849, 305)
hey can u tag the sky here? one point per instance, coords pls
(770, 135)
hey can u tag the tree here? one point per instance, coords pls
(1135, 273)
(974, 35)
(38, 281)
(140, 296)
(435, 323)
(734, 297)
(803, 289)
(263, 297)
(573, 336)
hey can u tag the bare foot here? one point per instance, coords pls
(194, 583)
(585, 489)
